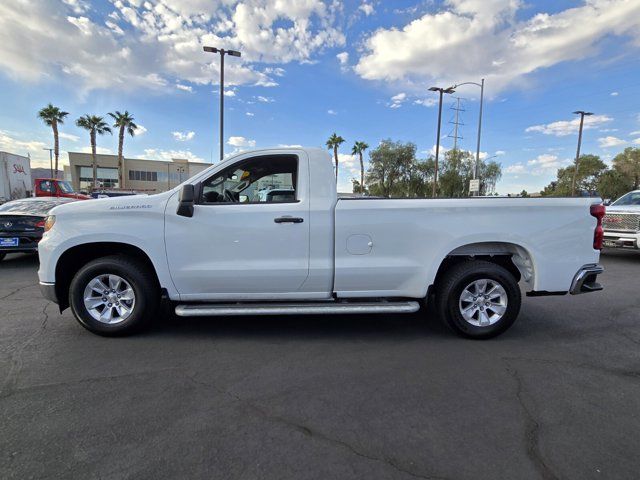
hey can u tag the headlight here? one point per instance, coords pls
(49, 222)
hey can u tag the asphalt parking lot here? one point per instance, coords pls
(557, 396)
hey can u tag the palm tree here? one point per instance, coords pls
(53, 116)
(358, 149)
(122, 121)
(334, 142)
(95, 125)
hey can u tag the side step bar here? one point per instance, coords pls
(213, 309)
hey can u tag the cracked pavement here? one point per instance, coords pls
(391, 397)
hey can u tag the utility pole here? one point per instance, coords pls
(222, 52)
(456, 122)
(50, 161)
(441, 90)
(575, 168)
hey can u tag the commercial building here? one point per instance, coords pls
(151, 176)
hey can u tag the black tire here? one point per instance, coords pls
(2, 255)
(457, 278)
(142, 281)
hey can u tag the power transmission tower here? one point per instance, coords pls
(456, 121)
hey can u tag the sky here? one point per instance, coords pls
(360, 68)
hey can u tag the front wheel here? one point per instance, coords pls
(478, 299)
(114, 295)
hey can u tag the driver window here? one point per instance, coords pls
(266, 179)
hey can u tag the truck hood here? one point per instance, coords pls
(623, 209)
(114, 204)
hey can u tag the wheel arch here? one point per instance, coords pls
(77, 256)
(515, 258)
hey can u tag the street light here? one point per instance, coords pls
(222, 52)
(50, 160)
(449, 90)
(575, 168)
(481, 85)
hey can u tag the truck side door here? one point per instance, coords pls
(248, 237)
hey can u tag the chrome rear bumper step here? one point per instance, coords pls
(320, 308)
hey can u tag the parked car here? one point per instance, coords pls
(622, 222)
(53, 187)
(22, 223)
(202, 248)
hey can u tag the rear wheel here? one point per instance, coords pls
(478, 299)
(114, 295)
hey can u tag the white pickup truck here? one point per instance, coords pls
(215, 246)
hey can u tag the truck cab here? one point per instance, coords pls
(53, 187)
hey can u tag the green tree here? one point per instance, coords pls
(524, 194)
(628, 164)
(589, 171)
(358, 149)
(53, 116)
(390, 168)
(613, 184)
(456, 171)
(333, 143)
(123, 122)
(95, 125)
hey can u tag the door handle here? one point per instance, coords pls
(288, 220)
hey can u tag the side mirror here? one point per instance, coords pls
(186, 201)
(607, 202)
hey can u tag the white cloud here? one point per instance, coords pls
(249, 114)
(262, 99)
(492, 39)
(343, 58)
(332, 112)
(33, 148)
(241, 142)
(183, 136)
(563, 128)
(185, 88)
(636, 141)
(500, 152)
(99, 150)
(68, 136)
(367, 9)
(609, 141)
(614, 94)
(426, 102)
(168, 155)
(229, 93)
(140, 130)
(543, 165)
(633, 134)
(163, 41)
(398, 100)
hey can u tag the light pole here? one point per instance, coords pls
(575, 168)
(481, 85)
(50, 160)
(222, 52)
(449, 90)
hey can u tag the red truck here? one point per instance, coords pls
(52, 187)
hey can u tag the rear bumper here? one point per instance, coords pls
(48, 291)
(585, 280)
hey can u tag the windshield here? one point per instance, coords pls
(65, 187)
(40, 207)
(631, 198)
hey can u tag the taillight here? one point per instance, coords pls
(598, 211)
(40, 224)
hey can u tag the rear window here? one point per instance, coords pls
(30, 207)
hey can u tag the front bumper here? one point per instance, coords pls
(48, 291)
(585, 280)
(621, 240)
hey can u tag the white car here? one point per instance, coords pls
(210, 251)
(622, 222)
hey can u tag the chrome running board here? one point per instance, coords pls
(213, 309)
